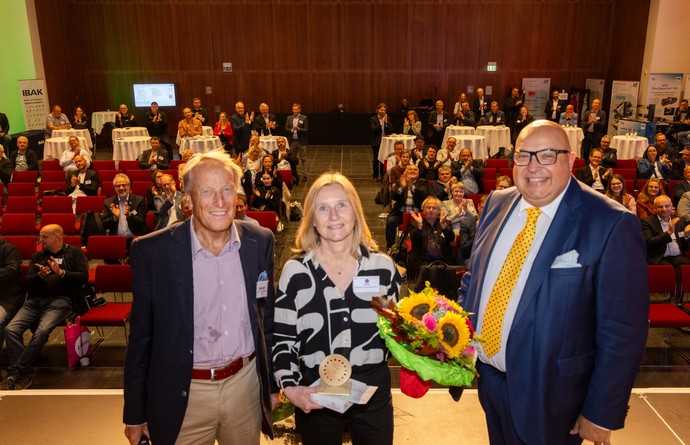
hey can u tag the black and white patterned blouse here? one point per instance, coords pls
(313, 319)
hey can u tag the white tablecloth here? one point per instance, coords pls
(269, 144)
(81, 134)
(99, 118)
(205, 131)
(387, 143)
(629, 147)
(53, 147)
(129, 132)
(474, 142)
(201, 144)
(130, 148)
(575, 137)
(496, 136)
(455, 131)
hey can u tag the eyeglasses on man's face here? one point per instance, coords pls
(547, 156)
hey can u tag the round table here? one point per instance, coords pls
(629, 147)
(130, 148)
(455, 131)
(387, 143)
(269, 144)
(474, 142)
(99, 118)
(53, 147)
(119, 133)
(82, 134)
(575, 137)
(201, 144)
(496, 136)
(205, 131)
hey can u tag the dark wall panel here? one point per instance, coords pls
(325, 52)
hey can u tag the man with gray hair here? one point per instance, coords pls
(23, 158)
(197, 367)
(67, 158)
(125, 213)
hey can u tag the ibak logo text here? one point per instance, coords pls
(33, 92)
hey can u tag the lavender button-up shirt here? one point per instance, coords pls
(222, 330)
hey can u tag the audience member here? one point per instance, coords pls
(199, 111)
(13, 293)
(645, 199)
(463, 219)
(458, 105)
(554, 107)
(441, 187)
(241, 127)
(683, 186)
(266, 193)
(82, 181)
(653, 165)
(466, 116)
(521, 121)
(407, 196)
(264, 122)
(189, 126)
(418, 150)
(569, 117)
(75, 149)
(663, 147)
(55, 277)
(438, 122)
(285, 154)
(241, 210)
(5, 167)
(394, 158)
(56, 120)
(593, 174)
(428, 166)
(512, 106)
(125, 213)
(480, 105)
(154, 158)
(682, 114)
(609, 155)
(666, 236)
(450, 152)
(23, 159)
(170, 210)
(157, 126)
(297, 126)
(616, 191)
(123, 118)
(412, 125)
(223, 129)
(396, 172)
(494, 116)
(380, 126)
(468, 171)
(268, 166)
(5, 138)
(502, 182)
(80, 120)
(153, 194)
(432, 237)
(594, 127)
(679, 165)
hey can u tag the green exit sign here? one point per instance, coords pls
(491, 66)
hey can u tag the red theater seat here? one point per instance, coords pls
(65, 220)
(50, 165)
(26, 244)
(19, 224)
(21, 189)
(268, 219)
(89, 204)
(21, 204)
(128, 165)
(498, 163)
(56, 204)
(49, 187)
(29, 176)
(107, 247)
(103, 164)
(53, 176)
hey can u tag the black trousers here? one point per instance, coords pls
(370, 424)
(592, 140)
(376, 166)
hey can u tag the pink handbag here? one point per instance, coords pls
(78, 343)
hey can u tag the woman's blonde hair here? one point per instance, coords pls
(307, 238)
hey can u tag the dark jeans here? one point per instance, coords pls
(393, 220)
(46, 315)
(6, 315)
(376, 166)
(370, 424)
(676, 262)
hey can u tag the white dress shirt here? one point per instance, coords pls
(516, 221)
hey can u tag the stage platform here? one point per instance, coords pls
(86, 417)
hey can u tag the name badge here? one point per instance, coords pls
(133, 212)
(366, 284)
(262, 289)
(88, 181)
(160, 158)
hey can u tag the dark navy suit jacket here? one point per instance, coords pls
(158, 365)
(579, 333)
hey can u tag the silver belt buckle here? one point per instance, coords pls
(213, 374)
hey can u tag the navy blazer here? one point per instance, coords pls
(579, 333)
(158, 365)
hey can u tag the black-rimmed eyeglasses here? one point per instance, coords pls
(544, 157)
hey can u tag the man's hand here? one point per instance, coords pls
(55, 267)
(417, 219)
(300, 396)
(115, 209)
(74, 180)
(135, 433)
(589, 431)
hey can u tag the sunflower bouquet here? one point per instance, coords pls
(431, 337)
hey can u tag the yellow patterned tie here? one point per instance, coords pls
(492, 324)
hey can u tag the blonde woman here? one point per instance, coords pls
(463, 218)
(323, 307)
(645, 199)
(412, 125)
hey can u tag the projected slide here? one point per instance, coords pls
(145, 93)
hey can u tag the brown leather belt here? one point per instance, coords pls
(230, 369)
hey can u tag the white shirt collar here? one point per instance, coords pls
(233, 243)
(550, 208)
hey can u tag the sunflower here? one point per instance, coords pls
(453, 334)
(414, 306)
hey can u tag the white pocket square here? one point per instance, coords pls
(566, 261)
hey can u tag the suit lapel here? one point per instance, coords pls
(561, 231)
(249, 258)
(184, 273)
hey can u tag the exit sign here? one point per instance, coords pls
(491, 66)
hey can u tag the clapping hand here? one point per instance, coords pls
(74, 180)
(417, 219)
(55, 267)
(443, 218)
(300, 396)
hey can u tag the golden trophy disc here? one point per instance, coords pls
(335, 372)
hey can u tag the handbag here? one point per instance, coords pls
(443, 277)
(78, 344)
